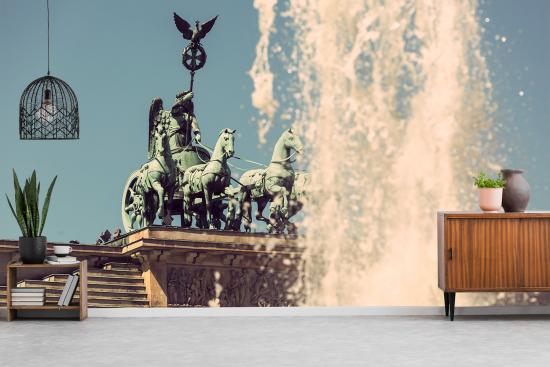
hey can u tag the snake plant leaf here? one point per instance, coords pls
(46, 205)
(34, 203)
(19, 220)
(20, 204)
(38, 201)
(28, 198)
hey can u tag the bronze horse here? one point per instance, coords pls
(271, 184)
(155, 179)
(208, 179)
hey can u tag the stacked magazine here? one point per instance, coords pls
(28, 296)
(56, 260)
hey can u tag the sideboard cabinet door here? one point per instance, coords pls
(535, 252)
(483, 254)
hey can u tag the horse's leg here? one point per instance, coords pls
(150, 205)
(201, 219)
(262, 203)
(167, 220)
(219, 215)
(238, 212)
(285, 196)
(233, 222)
(238, 217)
(186, 216)
(132, 219)
(293, 208)
(228, 219)
(281, 196)
(139, 220)
(274, 215)
(208, 207)
(207, 203)
(147, 220)
(160, 193)
(246, 210)
(284, 212)
(278, 210)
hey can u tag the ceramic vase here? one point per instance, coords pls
(32, 250)
(517, 191)
(490, 200)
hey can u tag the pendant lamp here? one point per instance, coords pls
(48, 109)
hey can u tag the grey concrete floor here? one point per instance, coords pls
(277, 341)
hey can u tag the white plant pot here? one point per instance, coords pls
(490, 200)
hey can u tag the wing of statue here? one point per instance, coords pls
(183, 27)
(156, 107)
(207, 26)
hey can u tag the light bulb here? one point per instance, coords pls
(47, 109)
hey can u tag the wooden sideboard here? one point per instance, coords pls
(492, 252)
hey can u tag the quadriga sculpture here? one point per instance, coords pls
(271, 184)
(208, 179)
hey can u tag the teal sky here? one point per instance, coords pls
(118, 55)
(521, 79)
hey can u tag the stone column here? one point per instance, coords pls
(154, 272)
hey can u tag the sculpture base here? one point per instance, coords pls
(192, 268)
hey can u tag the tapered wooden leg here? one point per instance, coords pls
(446, 298)
(452, 296)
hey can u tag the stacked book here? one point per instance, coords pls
(56, 260)
(68, 291)
(28, 296)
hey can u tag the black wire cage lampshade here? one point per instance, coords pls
(48, 110)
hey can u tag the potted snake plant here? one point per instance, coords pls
(32, 245)
(490, 192)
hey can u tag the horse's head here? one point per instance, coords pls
(227, 140)
(292, 141)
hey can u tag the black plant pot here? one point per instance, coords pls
(32, 250)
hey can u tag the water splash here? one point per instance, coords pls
(392, 98)
(262, 96)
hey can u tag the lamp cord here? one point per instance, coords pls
(48, 9)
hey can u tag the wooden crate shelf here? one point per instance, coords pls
(82, 307)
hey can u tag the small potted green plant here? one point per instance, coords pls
(490, 192)
(32, 245)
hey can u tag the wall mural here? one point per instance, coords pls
(380, 114)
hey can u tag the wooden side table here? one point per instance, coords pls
(492, 252)
(82, 307)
